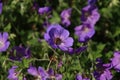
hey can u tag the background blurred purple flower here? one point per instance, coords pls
(19, 52)
(60, 63)
(58, 37)
(40, 73)
(35, 5)
(77, 50)
(12, 73)
(102, 72)
(84, 32)
(90, 14)
(92, 2)
(53, 76)
(44, 10)
(79, 77)
(115, 61)
(46, 23)
(4, 44)
(65, 16)
(1, 5)
(104, 75)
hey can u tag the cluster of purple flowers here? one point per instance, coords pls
(44, 75)
(59, 38)
(89, 18)
(103, 71)
(65, 17)
(39, 74)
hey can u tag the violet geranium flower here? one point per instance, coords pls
(19, 52)
(58, 37)
(44, 10)
(84, 32)
(103, 71)
(105, 75)
(79, 77)
(90, 14)
(4, 44)
(77, 50)
(12, 73)
(115, 61)
(65, 16)
(40, 73)
(92, 2)
(52, 75)
(1, 4)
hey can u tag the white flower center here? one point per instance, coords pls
(1, 44)
(86, 29)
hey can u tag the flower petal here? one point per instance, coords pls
(68, 42)
(5, 36)
(6, 46)
(33, 71)
(64, 34)
(42, 73)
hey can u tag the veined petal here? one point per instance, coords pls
(68, 42)
(42, 72)
(64, 34)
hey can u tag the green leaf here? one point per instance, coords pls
(8, 28)
(106, 12)
(55, 18)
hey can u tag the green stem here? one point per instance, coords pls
(77, 10)
(49, 65)
(40, 60)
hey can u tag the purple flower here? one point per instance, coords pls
(44, 10)
(77, 50)
(65, 16)
(103, 75)
(79, 77)
(19, 52)
(106, 75)
(46, 23)
(4, 44)
(52, 75)
(115, 61)
(24, 78)
(58, 37)
(102, 72)
(92, 2)
(35, 5)
(12, 73)
(84, 32)
(90, 15)
(60, 63)
(40, 73)
(1, 5)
